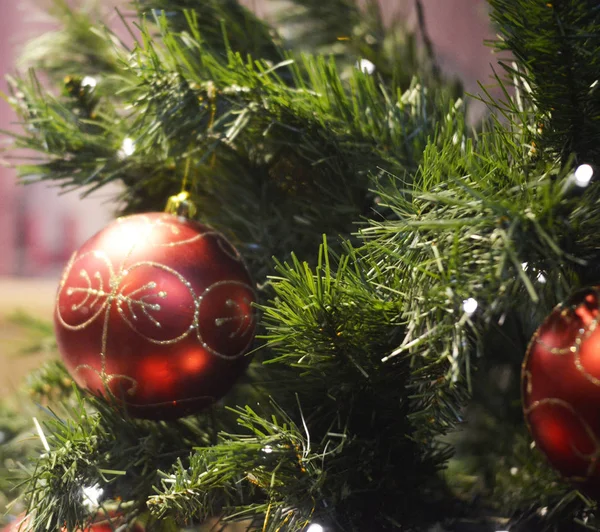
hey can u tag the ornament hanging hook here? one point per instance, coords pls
(181, 204)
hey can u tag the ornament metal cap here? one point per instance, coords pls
(181, 205)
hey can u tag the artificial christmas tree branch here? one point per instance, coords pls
(246, 33)
(444, 249)
(262, 126)
(322, 24)
(81, 45)
(357, 36)
(557, 44)
(103, 449)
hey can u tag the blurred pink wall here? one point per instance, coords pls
(39, 228)
(8, 189)
(458, 29)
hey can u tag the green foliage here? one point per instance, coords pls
(224, 25)
(271, 471)
(78, 151)
(468, 203)
(40, 332)
(336, 328)
(94, 444)
(270, 155)
(353, 33)
(79, 46)
(557, 46)
(325, 24)
(16, 446)
(50, 384)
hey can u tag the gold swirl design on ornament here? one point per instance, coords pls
(140, 301)
(591, 457)
(575, 349)
(225, 246)
(87, 290)
(146, 306)
(108, 378)
(246, 320)
(581, 368)
(528, 378)
(583, 333)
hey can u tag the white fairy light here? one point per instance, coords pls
(514, 471)
(540, 276)
(583, 175)
(315, 527)
(470, 306)
(364, 65)
(91, 496)
(89, 81)
(267, 449)
(127, 148)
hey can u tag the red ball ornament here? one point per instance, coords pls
(20, 524)
(561, 389)
(114, 521)
(110, 526)
(101, 523)
(155, 311)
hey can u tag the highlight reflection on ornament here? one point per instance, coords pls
(156, 310)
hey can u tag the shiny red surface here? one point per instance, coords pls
(561, 389)
(105, 525)
(18, 525)
(169, 302)
(102, 525)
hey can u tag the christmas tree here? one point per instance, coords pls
(344, 321)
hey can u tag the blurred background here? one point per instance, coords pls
(40, 228)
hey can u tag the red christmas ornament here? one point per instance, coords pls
(20, 524)
(102, 523)
(106, 526)
(156, 311)
(561, 389)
